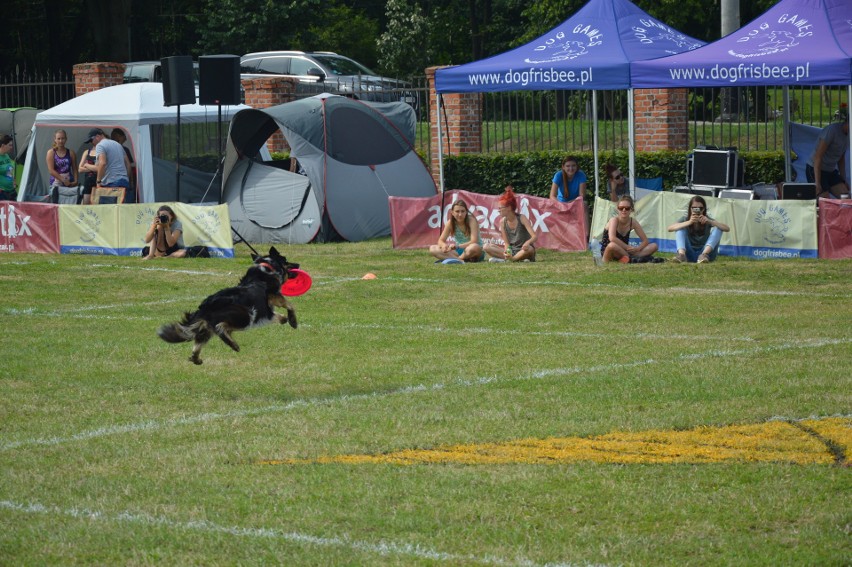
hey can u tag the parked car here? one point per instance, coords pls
(327, 72)
(150, 71)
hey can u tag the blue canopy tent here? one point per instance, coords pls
(591, 50)
(796, 42)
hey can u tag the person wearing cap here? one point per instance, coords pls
(827, 165)
(113, 167)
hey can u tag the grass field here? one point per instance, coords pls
(548, 413)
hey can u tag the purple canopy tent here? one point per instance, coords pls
(796, 42)
(591, 50)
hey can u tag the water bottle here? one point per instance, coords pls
(595, 246)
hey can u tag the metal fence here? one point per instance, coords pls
(749, 118)
(35, 89)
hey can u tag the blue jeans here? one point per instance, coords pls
(692, 254)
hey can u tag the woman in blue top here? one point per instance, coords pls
(465, 230)
(569, 182)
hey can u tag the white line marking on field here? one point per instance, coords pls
(383, 548)
(156, 425)
(149, 268)
(629, 288)
(490, 331)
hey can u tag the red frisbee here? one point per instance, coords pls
(298, 285)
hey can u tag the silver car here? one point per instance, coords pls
(327, 72)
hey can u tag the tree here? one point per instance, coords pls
(401, 46)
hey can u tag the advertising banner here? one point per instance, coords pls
(119, 230)
(759, 229)
(28, 227)
(835, 228)
(417, 222)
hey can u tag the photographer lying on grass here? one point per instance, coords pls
(165, 236)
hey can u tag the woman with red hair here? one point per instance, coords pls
(517, 232)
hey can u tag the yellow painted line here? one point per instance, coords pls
(819, 441)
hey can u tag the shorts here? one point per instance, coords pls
(827, 179)
(460, 251)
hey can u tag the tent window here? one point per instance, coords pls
(351, 128)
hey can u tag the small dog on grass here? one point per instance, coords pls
(250, 304)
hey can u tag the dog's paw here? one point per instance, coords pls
(291, 318)
(195, 360)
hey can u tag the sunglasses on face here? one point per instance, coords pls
(625, 208)
(619, 176)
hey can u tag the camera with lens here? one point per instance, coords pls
(696, 210)
(164, 219)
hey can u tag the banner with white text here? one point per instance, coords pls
(28, 227)
(416, 222)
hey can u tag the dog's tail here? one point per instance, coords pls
(185, 330)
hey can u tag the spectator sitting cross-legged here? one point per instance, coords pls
(164, 236)
(615, 244)
(465, 230)
(517, 233)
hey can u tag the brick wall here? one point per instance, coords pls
(661, 119)
(264, 92)
(90, 77)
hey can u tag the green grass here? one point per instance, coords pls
(115, 449)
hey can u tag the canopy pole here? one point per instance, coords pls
(785, 113)
(440, 143)
(849, 153)
(631, 144)
(595, 141)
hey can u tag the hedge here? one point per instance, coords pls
(531, 172)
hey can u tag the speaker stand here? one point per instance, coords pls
(221, 168)
(177, 165)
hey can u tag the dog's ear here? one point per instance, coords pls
(274, 252)
(254, 257)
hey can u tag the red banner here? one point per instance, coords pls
(28, 227)
(417, 222)
(835, 228)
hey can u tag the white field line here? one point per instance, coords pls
(382, 548)
(157, 425)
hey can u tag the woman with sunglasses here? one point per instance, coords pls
(697, 234)
(615, 244)
(618, 184)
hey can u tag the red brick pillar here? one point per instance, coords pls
(661, 119)
(263, 92)
(90, 77)
(462, 129)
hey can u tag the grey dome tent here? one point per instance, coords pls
(353, 156)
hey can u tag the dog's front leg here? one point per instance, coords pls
(281, 301)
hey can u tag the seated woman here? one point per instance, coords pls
(615, 244)
(616, 182)
(697, 234)
(165, 236)
(569, 182)
(465, 230)
(517, 232)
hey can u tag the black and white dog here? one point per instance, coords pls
(249, 304)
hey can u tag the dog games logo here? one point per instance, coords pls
(651, 32)
(89, 224)
(773, 37)
(208, 224)
(778, 221)
(567, 46)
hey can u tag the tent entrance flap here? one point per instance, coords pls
(272, 213)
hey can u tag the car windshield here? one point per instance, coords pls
(342, 66)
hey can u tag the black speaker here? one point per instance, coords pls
(178, 86)
(220, 79)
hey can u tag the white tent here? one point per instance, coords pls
(138, 110)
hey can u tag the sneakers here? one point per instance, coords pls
(679, 258)
(494, 259)
(703, 259)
